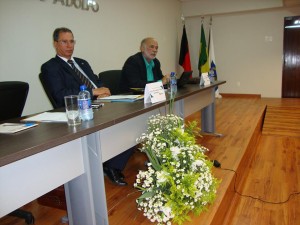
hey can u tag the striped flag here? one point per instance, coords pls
(184, 56)
(211, 57)
(203, 64)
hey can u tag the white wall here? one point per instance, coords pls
(105, 39)
(204, 7)
(246, 58)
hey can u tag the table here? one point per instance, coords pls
(40, 159)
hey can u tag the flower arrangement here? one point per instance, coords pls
(178, 179)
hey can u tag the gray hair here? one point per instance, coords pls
(144, 41)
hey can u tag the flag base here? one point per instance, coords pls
(217, 94)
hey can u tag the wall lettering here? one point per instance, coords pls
(78, 4)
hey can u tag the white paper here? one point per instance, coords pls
(115, 97)
(154, 92)
(49, 117)
(204, 79)
(121, 98)
(9, 128)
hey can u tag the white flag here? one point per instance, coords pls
(212, 62)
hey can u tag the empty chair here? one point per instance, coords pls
(111, 79)
(13, 95)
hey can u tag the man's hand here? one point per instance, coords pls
(101, 92)
(166, 79)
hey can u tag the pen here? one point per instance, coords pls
(97, 105)
(29, 124)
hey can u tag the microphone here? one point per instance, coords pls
(216, 163)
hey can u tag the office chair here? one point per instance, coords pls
(53, 102)
(111, 79)
(13, 95)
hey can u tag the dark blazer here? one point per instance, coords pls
(61, 79)
(134, 73)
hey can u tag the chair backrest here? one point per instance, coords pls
(53, 102)
(111, 79)
(13, 95)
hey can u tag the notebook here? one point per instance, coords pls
(121, 98)
(9, 128)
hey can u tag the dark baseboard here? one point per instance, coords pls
(231, 95)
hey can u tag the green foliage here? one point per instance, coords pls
(178, 179)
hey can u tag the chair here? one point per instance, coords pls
(111, 79)
(13, 95)
(53, 102)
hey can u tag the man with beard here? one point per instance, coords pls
(143, 67)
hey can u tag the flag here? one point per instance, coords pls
(211, 57)
(203, 59)
(212, 62)
(184, 56)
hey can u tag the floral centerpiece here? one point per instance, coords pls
(178, 179)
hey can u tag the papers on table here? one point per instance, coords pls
(204, 81)
(9, 128)
(49, 117)
(154, 92)
(121, 98)
(137, 90)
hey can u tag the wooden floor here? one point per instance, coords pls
(282, 120)
(268, 168)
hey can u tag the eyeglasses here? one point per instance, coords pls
(65, 42)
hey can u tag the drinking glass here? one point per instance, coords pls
(72, 110)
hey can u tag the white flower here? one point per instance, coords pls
(161, 176)
(175, 151)
(174, 158)
(196, 164)
(167, 211)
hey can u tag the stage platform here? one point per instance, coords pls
(240, 124)
(269, 171)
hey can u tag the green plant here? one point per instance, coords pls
(178, 179)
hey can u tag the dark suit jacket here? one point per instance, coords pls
(61, 79)
(134, 73)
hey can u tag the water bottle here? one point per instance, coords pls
(85, 104)
(173, 83)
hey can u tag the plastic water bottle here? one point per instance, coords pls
(173, 83)
(85, 104)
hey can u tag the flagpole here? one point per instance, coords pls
(211, 56)
(209, 111)
(182, 19)
(184, 55)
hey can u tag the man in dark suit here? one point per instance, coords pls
(143, 67)
(59, 75)
(61, 80)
